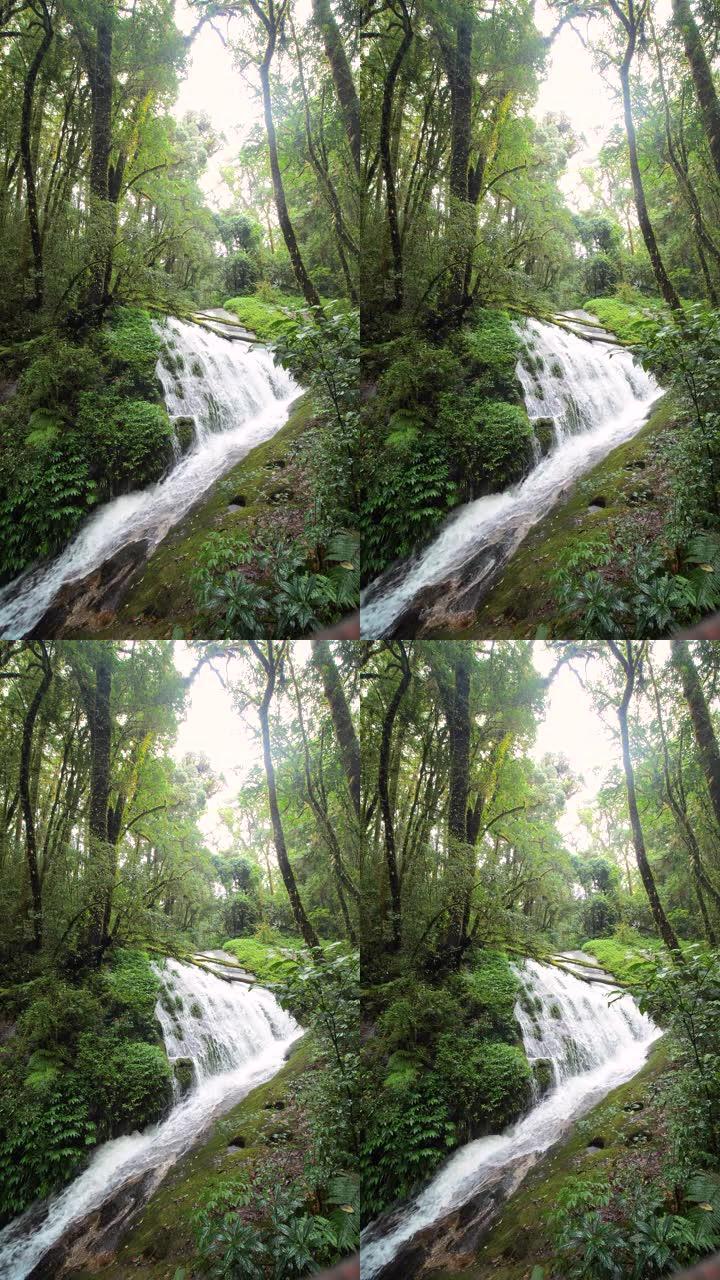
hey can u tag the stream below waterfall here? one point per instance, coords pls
(236, 396)
(237, 1042)
(594, 1040)
(593, 396)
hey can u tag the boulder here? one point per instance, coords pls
(89, 604)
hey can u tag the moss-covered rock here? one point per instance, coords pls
(184, 1073)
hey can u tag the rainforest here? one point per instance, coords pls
(539, 960)
(178, 1009)
(178, 319)
(540, 318)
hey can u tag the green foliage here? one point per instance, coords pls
(128, 1084)
(131, 988)
(408, 1133)
(86, 423)
(490, 441)
(285, 1238)
(45, 1134)
(491, 989)
(487, 1086)
(268, 960)
(288, 597)
(627, 960)
(632, 321)
(493, 347)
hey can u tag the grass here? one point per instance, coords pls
(631, 322)
(632, 480)
(628, 962)
(264, 959)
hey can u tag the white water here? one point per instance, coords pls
(238, 398)
(596, 1043)
(597, 397)
(238, 1042)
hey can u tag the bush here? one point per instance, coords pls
(486, 1086)
(408, 1133)
(45, 1134)
(492, 988)
(491, 344)
(490, 441)
(128, 1084)
(58, 1020)
(419, 1017)
(131, 987)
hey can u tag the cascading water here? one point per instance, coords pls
(594, 1042)
(235, 395)
(235, 1037)
(592, 396)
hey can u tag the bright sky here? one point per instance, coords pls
(574, 86)
(574, 728)
(215, 85)
(212, 727)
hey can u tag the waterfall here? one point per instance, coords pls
(590, 396)
(594, 1042)
(234, 396)
(234, 1036)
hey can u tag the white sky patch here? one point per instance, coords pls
(214, 727)
(214, 84)
(575, 87)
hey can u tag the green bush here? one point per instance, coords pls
(490, 441)
(131, 988)
(492, 346)
(486, 1085)
(133, 348)
(45, 1135)
(491, 989)
(131, 439)
(267, 960)
(408, 1133)
(419, 1017)
(58, 1020)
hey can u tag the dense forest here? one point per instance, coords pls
(484, 228)
(120, 252)
(494, 873)
(123, 876)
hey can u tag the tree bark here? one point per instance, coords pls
(100, 748)
(702, 76)
(25, 798)
(28, 162)
(342, 719)
(628, 662)
(341, 74)
(386, 808)
(100, 222)
(707, 744)
(269, 664)
(387, 162)
(305, 284)
(663, 280)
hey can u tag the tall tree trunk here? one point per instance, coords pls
(388, 163)
(305, 284)
(386, 807)
(628, 662)
(268, 661)
(28, 161)
(25, 799)
(707, 744)
(342, 719)
(100, 748)
(101, 220)
(459, 869)
(341, 74)
(663, 280)
(702, 76)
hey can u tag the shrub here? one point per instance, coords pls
(490, 441)
(59, 1019)
(408, 1133)
(45, 1133)
(419, 1017)
(493, 347)
(128, 1084)
(486, 1085)
(132, 988)
(491, 989)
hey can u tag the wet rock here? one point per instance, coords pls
(89, 604)
(279, 1105)
(453, 1242)
(544, 429)
(91, 1241)
(185, 432)
(237, 503)
(184, 1072)
(543, 1072)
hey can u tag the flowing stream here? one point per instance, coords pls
(589, 396)
(236, 1038)
(594, 1042)
(235, 395)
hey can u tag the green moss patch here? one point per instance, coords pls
(633, 485)
(245, 1139)
(161, 601)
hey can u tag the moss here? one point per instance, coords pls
(160, 603)
(190, 1182)
(520, 1238)
(628, 961)
(631, 322)
(184, 1073)
(264, 959)
(523, 599)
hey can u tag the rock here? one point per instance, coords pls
(89, 604)
(277, 496)
(543, 1072)
(544, 429)
(597, 1144)
(184, 1072)
(237, 1143)
(597, 503)
(237, 503)
(91, 1241)
(452, 1243)
(185, 433)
